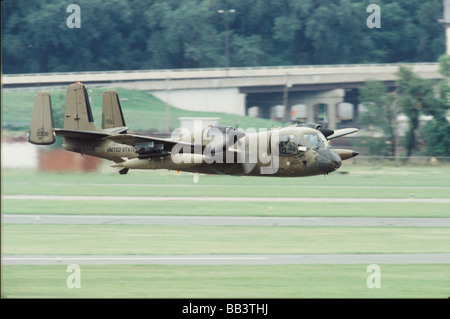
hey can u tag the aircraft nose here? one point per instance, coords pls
(335, 164)
(330, 161)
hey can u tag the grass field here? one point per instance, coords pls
(357, 182)
(162, 239)
(232, 208)
(141, 110)
(245, 281)
(284, 281)
(144, 112)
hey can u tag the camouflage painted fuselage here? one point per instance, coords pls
(255, 154)
(293, 151)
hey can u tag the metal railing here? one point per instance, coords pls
(321, 66)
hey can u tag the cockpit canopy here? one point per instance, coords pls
(292, 143)
(315, 139)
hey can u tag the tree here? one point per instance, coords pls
(411, 92)
(380, 115)
(417, 96)
(436, 132)
(414, 97)
(183, 35)
(142, 34)
(437, 136)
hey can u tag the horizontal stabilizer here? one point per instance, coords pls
(41, 128)
(80, 134)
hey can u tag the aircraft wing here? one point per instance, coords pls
(133, 139)
(342, 132)
(147, 146)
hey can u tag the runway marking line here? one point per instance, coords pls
(231, 199)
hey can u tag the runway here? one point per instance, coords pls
(225, 220)
(267, 259)
(231, 199)
(199, 260)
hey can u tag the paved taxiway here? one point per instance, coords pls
(226, 220)
(231, 199)
(227, 259)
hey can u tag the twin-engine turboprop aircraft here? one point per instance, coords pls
(293, 151)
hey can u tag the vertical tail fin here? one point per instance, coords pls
(41, 128)
(112, 115)
(78, 109)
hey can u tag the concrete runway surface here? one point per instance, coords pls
(231, 199)
(227, 259)
(225, 220)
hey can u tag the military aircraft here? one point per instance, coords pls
(292, 151)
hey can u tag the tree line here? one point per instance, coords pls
(170, 34)
(413, 97)
(160, 34)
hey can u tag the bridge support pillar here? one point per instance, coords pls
(331, 98)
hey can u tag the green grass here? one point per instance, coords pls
(226, 190)
(284, 281)
(249, 281)
(144, 112)
(168, 239)
(358, 181)
(141, 110)
(229, 208)
(348, 175)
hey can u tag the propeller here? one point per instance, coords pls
(226, 140)
(326, 132)
(330, 134)
(244, 159)
(223, 137)
(342, 132)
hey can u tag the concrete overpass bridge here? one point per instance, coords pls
(324, 93)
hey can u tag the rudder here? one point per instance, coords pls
(78, 109)
(41, 128)
(112, 115)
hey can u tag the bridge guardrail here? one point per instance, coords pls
(282, 73)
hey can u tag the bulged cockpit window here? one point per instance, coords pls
(287, 144)
(314, 140)
(323, 139)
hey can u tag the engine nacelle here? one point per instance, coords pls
(218, 138)
(318, 127)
